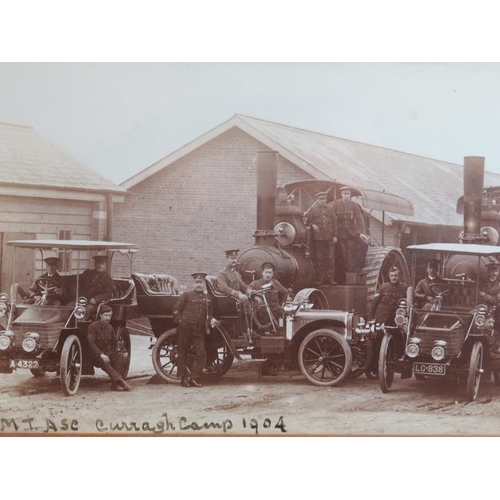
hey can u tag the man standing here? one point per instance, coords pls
(323, 226)
(275, 298)
(385, 301)
(49, 283)
(96, 285)
(352, 238)
(423, 292)
(104, 349)
(193, 315)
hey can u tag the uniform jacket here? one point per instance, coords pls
(385, 301)
(230, 282)
(423, 288)
(324, 217)
(275, 296)
(57, 277)
(491, 291)
(194, 310)
(98, 286)
(349, 218)
(102, 339)
(493, 340)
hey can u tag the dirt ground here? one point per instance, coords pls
(242, 403)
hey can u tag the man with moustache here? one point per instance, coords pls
(423, 290)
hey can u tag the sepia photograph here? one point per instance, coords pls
(249, 249)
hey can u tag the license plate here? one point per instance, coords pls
(24, 363)
(429, 368)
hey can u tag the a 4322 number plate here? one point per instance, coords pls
(429, 368)
(25, 363)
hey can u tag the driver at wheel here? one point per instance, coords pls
(423, 291)
(490, 287)
(47, 288)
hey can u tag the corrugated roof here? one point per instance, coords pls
(27, 158)
(433, 186)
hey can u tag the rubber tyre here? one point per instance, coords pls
(71, 365)
(317, 346)
(223, 362)
(474, 376)
(385, 369)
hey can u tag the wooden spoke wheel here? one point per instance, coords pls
(475, 370)
(71, 365)
(385, 363)
(124, 344)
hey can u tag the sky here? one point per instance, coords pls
(119, 118)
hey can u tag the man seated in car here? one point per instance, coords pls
(48, 288)
(96, 285)
(489, 293)
(427, 297)
(275, 297)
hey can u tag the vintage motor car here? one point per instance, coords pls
(323, 344)
(446, 338)
(44, 337)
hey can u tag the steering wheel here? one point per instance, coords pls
(46, 284)
(439, 289)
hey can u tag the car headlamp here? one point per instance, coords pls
(6, 340)
(80, 312)
(482, 308)
(438, 351)
(480, 320)
(31, 342)
(82, 301)
(4, 297)
(413, 349)
(3, 309)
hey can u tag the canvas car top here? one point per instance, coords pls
(74, 244)
(457, 248)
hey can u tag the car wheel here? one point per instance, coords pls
(71, 365)
(223, 358)
(123, 337)
(325, 357)
(475, 370)
(385, 363)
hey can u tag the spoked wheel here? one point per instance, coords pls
(385, 363)
(219, 358)
(325, 357)
(165, 356)
(71, 365)
(124, 343)
(475, 370)
(312, 295)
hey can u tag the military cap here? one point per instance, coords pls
(492, 261)
(100, 258)
(268, 265)
(345, 188)
(104, 309)
(321, 193)
(199, 276)
(393, 269)
(232, 253)
(52, 260)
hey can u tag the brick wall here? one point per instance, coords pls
(186, 215)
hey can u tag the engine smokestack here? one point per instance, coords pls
(267, 177)
(473, 196)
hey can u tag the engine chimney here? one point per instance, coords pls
(267, 177)
(473, 196)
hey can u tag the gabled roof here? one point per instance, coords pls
(433, 186)
(28, 160)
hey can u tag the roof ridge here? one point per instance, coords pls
(16, 125)
(350, 140)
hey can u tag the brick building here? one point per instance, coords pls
(190, 206)
(46, 194)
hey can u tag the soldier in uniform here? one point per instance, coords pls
(105, 351)
(385, 301)
(96, 285)
(56, 295)
(230, 282)
(193, 313)
(352, 239)
(275, 298)
(423, 291)
(490, 287)
(493, 342)
(323, 223)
